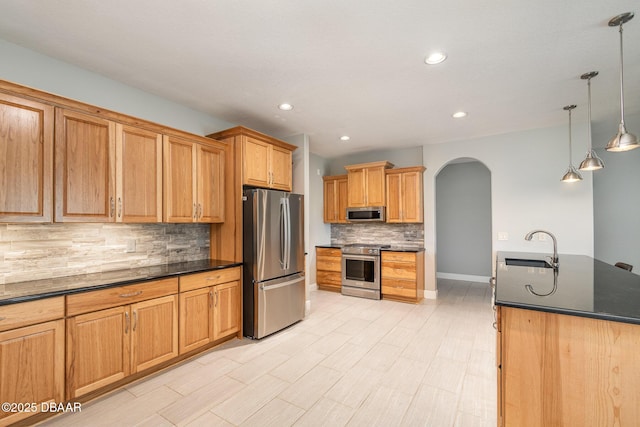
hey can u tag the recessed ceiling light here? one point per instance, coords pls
(344, 138)
(435, 58)
(459, 114)
(285, 107)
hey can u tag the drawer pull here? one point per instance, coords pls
(213, 278)
(135, 320)
(2, 318)
(131, 294)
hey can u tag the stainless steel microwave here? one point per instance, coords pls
(367, 214)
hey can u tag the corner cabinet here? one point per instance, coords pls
(405, 195)
(329, 269)
(266, 162)
(336, 193)
(193, 181)
(367, 184)
(209, 307)
(31, 356)
(402, 276)
(26, 163)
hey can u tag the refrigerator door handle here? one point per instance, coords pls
(288, 232)
(283, 226)
(264, 287)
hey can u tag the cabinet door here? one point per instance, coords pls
(196, 319)
(31, 366)
(210, 184)
(84, 168)
(357, 188)
(26, 160)
(138, 175)
(375, 186)
(330, 198)
(179, 180)
(255, 164)
(394, 197)
(280, 168)
(412, 210)
(154, 332)
(98, 347)
(226, 309)
(342, 202)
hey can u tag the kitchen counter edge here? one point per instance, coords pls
(109, 279)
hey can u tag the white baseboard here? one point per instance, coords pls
(313, 286)
(307, 307)
(464, 277)
(431, 294)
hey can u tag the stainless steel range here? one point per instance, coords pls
(361, 270)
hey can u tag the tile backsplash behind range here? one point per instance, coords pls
(33, 251)
(383, 233)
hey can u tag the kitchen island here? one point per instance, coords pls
(568, 341)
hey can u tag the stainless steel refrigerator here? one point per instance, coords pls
(273, 246)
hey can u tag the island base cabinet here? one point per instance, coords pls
(31, 368)
(561, 370)
(106, 346)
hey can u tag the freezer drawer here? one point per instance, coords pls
(280, 304)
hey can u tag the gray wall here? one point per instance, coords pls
(319, 232)
(463, 219)
(616, 200)
(402, 157)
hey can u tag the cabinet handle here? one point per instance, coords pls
(2, 318)
(112, 206)
(215, 304)
(213, 278)
(126, 322)
(210, 299)
(119, 207)
(195, 211)
(135, 320)
(131, 294)
(199, 210)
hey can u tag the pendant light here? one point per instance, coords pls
(592, 162)
(622, 141)
(572, 175)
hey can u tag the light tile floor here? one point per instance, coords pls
(352, 362)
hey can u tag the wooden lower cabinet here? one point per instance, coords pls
(210, 308)
(402, 276)
(329, 269)
(108, 345)
(31, 367)
(561, 370)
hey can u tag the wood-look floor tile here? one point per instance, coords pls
(354, 386)
(455, 349)
(249, 372)
(209, 419)
(468, 420)
(445, 374)
(326, 413)
(405, 375)
(381, 357)
(384, 407)
(200, 376)
(345, 357)
(298, 365)
(400, 336)
(431, 406)
(305, 392)
(276, 413)
(478, 397)
(155, 420)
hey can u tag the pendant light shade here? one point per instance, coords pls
(592, 162)
(571, 175)
(623, 140)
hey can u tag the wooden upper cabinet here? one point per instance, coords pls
(405, 195)
(366, 184)
(210, 185)
(335, 198)
(193, 181)
(26, 160)
(138, 175)
(84, 168)
(265, 161)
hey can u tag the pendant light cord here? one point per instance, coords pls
(621, 80)
(589, 116)
(570, 164)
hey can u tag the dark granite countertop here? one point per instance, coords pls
(582, 286)
(37, 289)
(330, 246)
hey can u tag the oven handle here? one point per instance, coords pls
(361, 257)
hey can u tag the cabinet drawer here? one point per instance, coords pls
(328, 252)
(208, 278)
(328, 278)
(403, 288)
(399, 256)
(399, 270)
(329, 264)
(121, 295)
(32, 312)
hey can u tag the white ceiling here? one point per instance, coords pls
(352, 67)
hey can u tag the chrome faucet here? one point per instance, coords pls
(554, 260)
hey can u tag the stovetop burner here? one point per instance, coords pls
(363, 248)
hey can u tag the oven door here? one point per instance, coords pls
(361, 271)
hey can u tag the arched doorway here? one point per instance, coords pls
(463, 221)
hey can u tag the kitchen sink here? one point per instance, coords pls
(528, 262)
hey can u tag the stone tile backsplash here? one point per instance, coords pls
(34, 251)
(383, 233)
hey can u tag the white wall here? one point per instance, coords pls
(526, 191)
(32, 69)
(319, 233)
